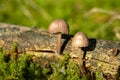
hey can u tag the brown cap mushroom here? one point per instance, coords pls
(80, 40)
(59, 26)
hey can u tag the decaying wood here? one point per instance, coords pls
(102, 55)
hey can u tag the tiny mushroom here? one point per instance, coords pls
(80, 40)
(60, 27)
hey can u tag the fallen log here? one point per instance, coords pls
(103, 55)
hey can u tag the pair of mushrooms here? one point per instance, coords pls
(59, 26)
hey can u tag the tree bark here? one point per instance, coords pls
(102, 55)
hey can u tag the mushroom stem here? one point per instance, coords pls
(80, 40)
(81, 66)
(58, 47)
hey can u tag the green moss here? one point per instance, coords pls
(23, 68)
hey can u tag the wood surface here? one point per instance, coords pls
(102, 55)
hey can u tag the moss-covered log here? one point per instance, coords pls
(102, 55)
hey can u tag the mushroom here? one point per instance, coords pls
(78, 41)
(59, 26)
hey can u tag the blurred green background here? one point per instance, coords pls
(96, 18)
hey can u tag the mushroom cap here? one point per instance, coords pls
(59, 25)
(80, 40)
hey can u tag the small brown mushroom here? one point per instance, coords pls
(80, 40)
(60, 27)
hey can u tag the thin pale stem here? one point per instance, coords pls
(58, 47)
(82, 69)
(81, 65)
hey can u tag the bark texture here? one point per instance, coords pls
(102, 55)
